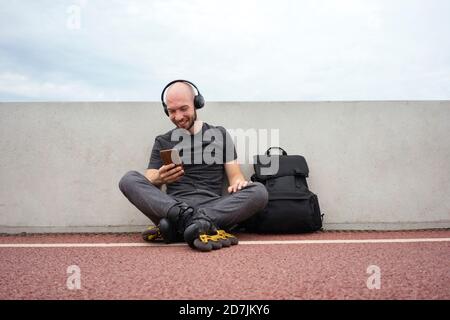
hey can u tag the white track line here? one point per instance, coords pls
(251, 242)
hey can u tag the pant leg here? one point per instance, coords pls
(229, 210)
(195, 200)
(149, 199)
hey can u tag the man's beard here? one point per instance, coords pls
(192, 121)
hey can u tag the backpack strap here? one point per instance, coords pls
(282, 150)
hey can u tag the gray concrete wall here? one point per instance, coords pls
(374, 165)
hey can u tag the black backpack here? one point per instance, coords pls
(292, 207)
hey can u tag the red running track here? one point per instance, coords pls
(324, 269)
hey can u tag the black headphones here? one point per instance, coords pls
(199, 101)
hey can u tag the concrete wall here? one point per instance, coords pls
(374, 165)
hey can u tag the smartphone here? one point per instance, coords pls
(169, 156)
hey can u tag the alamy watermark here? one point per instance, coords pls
(74, 279)
(214, 146)
(73, 20)
(374, 280)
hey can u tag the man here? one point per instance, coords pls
(193, 207)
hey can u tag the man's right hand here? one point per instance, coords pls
(170, 173)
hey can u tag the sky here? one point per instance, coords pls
(318, 50)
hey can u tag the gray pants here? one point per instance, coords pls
(225, 211)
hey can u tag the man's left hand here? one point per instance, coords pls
(238, 185)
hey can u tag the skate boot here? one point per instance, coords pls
(152, 234)
(199, 233)
(169, 232)
(178, 217)
(166, 230)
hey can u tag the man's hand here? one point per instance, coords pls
(169, 173)
(238, 185)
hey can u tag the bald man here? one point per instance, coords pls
(193, 207)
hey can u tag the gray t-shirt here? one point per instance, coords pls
(203, 156)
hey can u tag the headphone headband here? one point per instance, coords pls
(199, 101)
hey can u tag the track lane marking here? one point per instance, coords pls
(248, 242)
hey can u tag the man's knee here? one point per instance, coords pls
(130, 178)
(260, 194)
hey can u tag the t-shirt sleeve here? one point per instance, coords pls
(155, 159)
(230, 153)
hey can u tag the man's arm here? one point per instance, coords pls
(235, 177)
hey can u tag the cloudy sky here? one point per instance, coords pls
(127, 50)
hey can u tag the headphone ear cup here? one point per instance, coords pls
(165, 108)
(199, 101)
